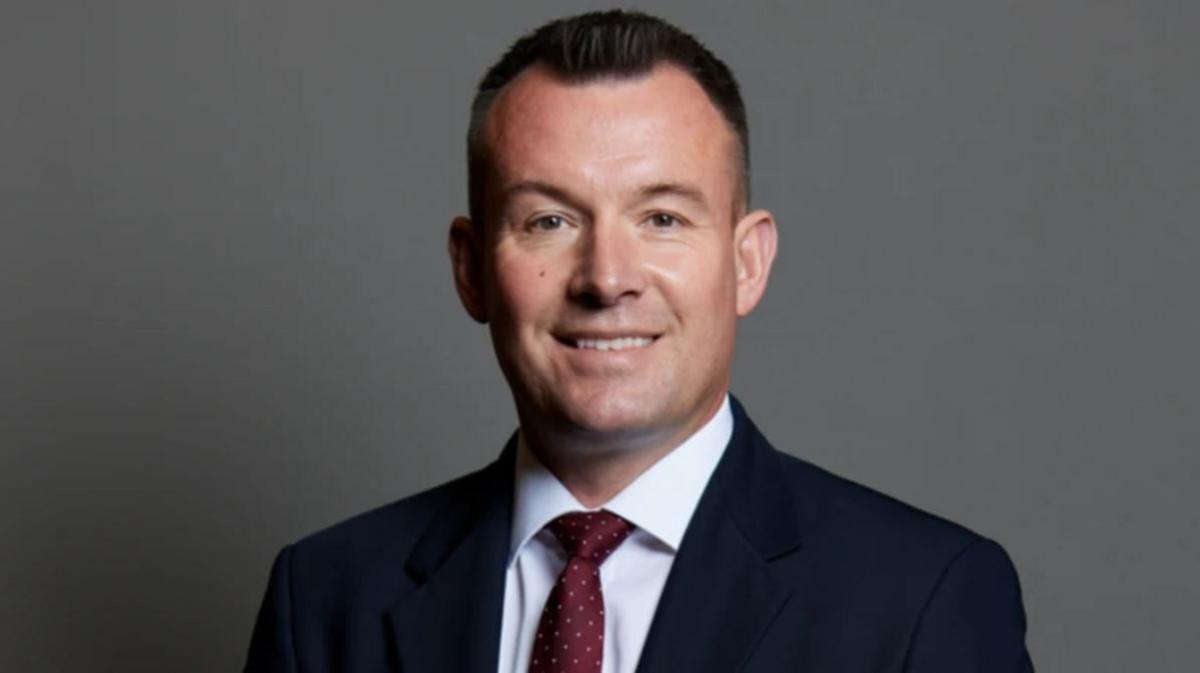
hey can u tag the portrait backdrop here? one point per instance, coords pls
(227, 318)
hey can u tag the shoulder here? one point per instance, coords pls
(864, 552)
(931, 592)
(860, 535)
(832, 513)
(369, 548)
(837, 508)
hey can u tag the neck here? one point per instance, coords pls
(595, 467)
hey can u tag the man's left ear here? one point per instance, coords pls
(754, 241)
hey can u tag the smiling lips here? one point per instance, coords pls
(608, 344)
(619, 344)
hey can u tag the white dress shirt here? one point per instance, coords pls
(660, 502)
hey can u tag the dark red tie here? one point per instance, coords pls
(570, 635)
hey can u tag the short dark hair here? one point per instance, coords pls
(591, 46)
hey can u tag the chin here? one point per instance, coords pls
(613, 413)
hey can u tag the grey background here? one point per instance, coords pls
(228, 320)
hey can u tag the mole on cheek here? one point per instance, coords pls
(542, 274)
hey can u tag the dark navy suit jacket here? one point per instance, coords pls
(784, 567)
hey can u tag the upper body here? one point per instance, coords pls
(611, 251)
(783, 567)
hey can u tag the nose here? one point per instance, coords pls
(609, 266)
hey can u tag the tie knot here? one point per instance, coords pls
(590, 535)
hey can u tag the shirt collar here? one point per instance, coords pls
(660, 501)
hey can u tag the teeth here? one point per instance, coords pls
(613, 344)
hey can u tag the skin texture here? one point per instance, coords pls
(613, 210)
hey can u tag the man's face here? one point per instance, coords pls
(613, 265)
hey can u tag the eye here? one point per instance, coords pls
(548, 223)
(664, 220)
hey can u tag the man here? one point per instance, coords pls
(637, 521)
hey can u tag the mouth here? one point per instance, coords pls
(608, 342)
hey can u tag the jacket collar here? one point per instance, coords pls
(721, 590)
(660, 501)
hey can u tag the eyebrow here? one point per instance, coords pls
(545, 189)
(676, 189)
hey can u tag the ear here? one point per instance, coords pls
(466, 260)
(754, 241)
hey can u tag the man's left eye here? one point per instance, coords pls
(663, 220)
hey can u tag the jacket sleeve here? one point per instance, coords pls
(272, 649)
(973, 621)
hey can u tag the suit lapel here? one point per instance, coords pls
(451, 619)
(721, 595)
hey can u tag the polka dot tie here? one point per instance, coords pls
(570, 635)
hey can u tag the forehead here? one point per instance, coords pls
(611, 133)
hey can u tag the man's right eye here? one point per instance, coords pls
(548, 223)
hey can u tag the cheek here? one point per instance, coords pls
(523, 289)
(699, 282)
